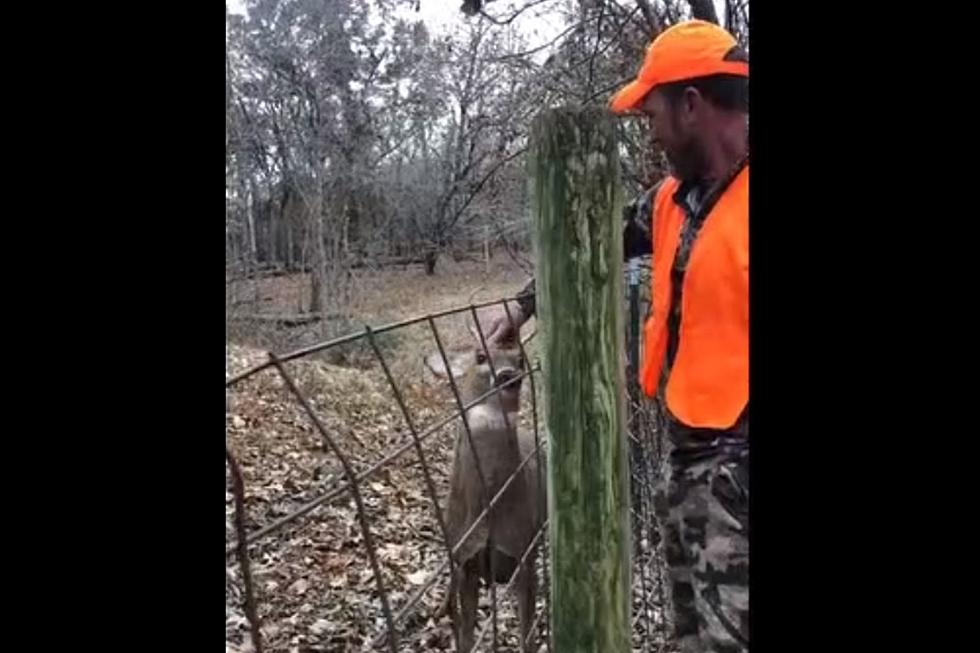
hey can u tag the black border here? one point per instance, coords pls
(831, 279)
(837, 201)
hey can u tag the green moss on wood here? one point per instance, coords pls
(576, 204)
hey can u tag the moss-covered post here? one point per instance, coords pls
(576, 207)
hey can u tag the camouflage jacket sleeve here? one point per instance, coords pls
(637, 219)
(526, 299)
(637, 240)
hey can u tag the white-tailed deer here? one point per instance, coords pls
(500, 539)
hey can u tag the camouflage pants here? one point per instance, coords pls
(706, 545)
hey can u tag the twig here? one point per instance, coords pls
(507, 21)
(563, 34)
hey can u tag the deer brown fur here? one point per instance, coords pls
(500, 539)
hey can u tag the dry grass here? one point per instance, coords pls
(378, 298)
(392, 293)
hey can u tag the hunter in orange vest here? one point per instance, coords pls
(708, 384)
(693, 86)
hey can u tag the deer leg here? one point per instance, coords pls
(469, 587)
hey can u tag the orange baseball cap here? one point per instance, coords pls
(694, 48)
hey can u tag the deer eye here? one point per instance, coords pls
(481, 358)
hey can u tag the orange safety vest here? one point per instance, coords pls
(708, 386)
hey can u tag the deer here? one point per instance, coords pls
(499, 541)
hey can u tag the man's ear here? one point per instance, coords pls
(691, 100)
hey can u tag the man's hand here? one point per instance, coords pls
(637, 218)
(497, 327)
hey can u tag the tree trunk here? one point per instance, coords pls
(574, 171)
(275, 233)
(236, 262)
(290, 247)
(704, 10)
(654, 26)
(250, 217)
(431, 257)
(319, 272)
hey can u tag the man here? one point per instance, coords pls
(693, 85)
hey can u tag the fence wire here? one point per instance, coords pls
(649, 624)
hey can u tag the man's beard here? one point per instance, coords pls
(688, 161)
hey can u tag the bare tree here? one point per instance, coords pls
(355, 136)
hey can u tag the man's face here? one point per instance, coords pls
(676, 128)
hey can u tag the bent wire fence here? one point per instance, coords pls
(371, 599)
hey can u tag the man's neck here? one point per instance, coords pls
(725, 151)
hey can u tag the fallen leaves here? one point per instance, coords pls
(314, 584)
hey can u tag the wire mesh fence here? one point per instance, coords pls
(370, 541)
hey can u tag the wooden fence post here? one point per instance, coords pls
(576, 205)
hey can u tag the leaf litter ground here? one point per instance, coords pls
(313, 581)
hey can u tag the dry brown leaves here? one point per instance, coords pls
(313, 579)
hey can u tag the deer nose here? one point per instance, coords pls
(506, 374)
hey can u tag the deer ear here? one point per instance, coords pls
(457, 364)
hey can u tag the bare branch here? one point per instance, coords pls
(506, 21)
(654, 26)
(568, 30)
